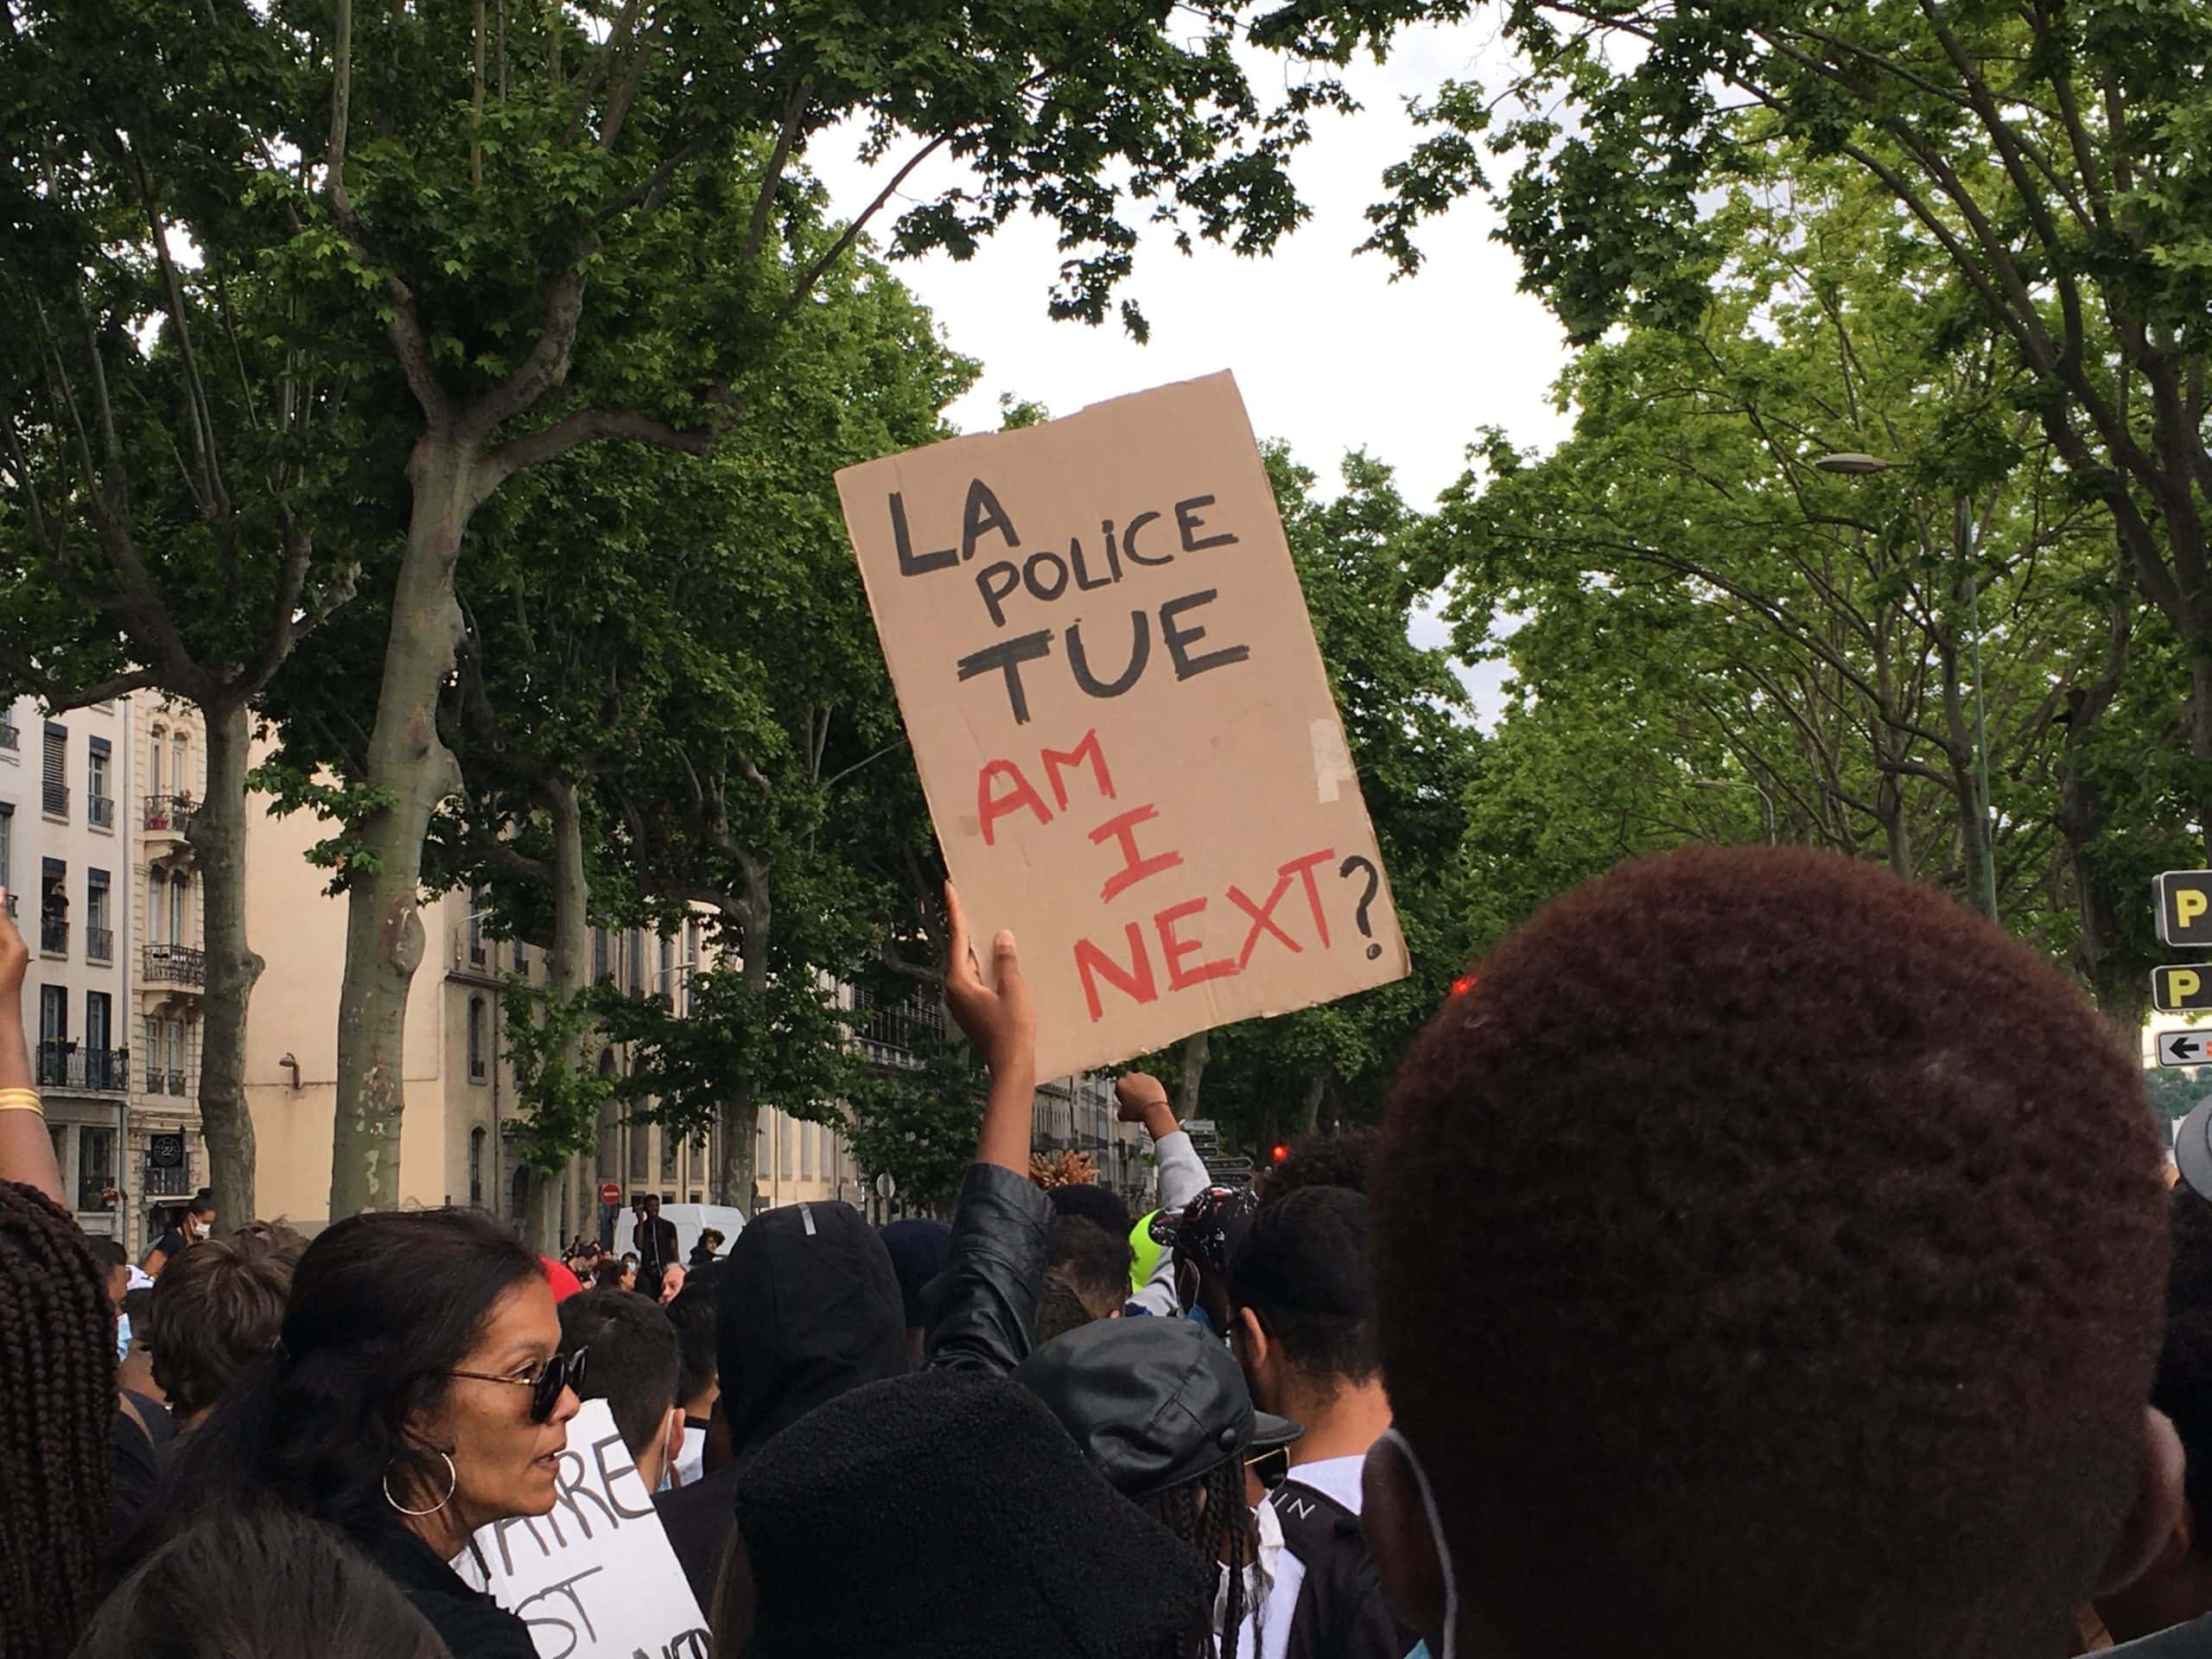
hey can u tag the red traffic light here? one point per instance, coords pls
(1279, 1154)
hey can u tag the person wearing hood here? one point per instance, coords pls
(943, 1514)
(809, 1309)
(806, 1309)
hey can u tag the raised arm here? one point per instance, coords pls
(1183, 1174)
(984, 1316)
(26, 1151)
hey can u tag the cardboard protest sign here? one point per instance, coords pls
(596, 1579)
(1123, 721)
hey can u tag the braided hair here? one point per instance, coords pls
(57, 1410)
(1209, 1513)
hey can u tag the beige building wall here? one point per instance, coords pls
(291, 1068)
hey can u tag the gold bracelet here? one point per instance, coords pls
(21, 1100)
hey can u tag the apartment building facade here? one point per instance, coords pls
(65, 857)
(166, 766)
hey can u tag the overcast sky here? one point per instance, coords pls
(1330, 354)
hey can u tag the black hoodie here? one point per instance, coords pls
(807, 1308)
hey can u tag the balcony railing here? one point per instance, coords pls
(99, 812)
(171, 1182)
(179, 964)
(54, 935)
(100, 945)
(10, 737)
(102, 1070)
(160, 1080)
(170, 812)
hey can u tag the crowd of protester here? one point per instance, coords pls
(1762, 1256)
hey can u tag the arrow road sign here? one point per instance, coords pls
(2184, 1048)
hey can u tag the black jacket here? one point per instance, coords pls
(655, 1242)
(469, 1622)
(983, 1307)
(807, 1309)
(1340, 1613)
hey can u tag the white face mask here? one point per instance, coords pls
(1436, 1534)
(195, 1230)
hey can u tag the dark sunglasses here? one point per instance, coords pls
(561, 1371)
(1271, 1468)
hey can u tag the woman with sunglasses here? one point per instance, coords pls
(418, 1395)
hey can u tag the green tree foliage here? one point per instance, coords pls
(1712, 639)
(170, 441)
(666, 709)
(509, 232)
(1409, 725)
(2052, 159)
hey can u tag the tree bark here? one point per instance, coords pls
(1309, 1111)
(567, 970)
(741, 1113)
(384, 931)
(217, 836)
(2199, 724)
(1197, 1048)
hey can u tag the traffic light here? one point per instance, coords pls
(1280, 1152)
(1464, 983)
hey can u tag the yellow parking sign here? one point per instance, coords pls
(2182, 987)
(2185, 907)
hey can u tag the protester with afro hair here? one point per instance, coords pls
(1768, 1259)
(1322, 1158)
(2178, 1586)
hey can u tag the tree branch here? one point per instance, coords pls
(586, 426)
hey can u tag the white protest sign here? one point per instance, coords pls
(596, 1577)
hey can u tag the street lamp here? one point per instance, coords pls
(1852, 464)
(1766, 802)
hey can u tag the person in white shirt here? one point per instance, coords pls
(1302, 1327)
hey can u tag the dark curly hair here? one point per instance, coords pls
(1322, 1158)
(1092, 1261)
(1780, 1247)
(383, 1306)
(57, 1410)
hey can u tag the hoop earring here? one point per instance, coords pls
(453, 1485)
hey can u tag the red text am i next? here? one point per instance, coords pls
(1187, 939)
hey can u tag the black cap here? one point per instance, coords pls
(945, 1515)
(1153, 1403)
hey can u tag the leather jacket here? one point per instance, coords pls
(983, 1307)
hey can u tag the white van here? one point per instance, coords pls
(692, 1220)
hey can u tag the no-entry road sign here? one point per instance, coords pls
(2183, 904)
(2184, 1048)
